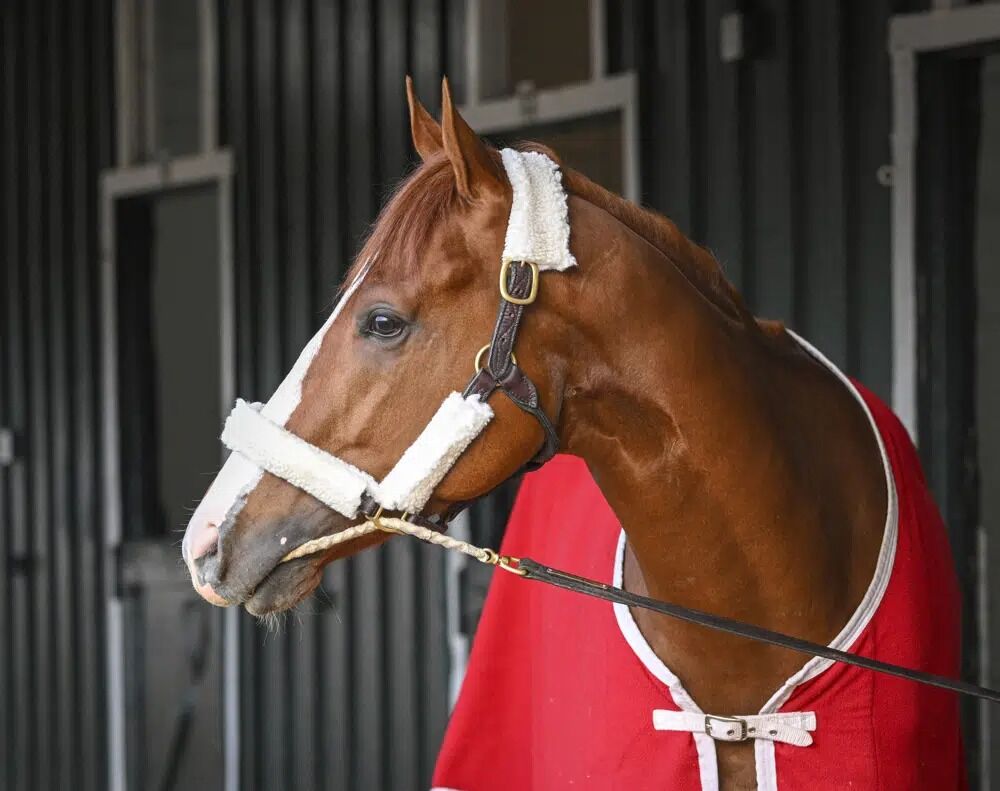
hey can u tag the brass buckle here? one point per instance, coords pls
(739, 733)
(506, 562)
(534, 283)
(481, 352)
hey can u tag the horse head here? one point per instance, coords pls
(420, 302)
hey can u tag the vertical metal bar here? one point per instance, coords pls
(904, 284)
(227, 354)
(334, 651)
(273, 654)
(114, 614)
(983, 638)
(402, 699)
(598, 40)
(822, 297)
(36, 373)
(208, 71)
(125, 76)
(149, 92)
(774, 223)
(723, 163)
(458, 641)
(63, 732)
(631, 179)
(367, 578)
(8, 286)
(473, 77)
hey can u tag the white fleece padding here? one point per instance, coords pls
(538, 229)
(239, 476)
(421, 468)
(340, 485)
(330, 480)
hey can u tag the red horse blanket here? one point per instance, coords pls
(564, 692)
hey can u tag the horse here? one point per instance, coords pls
(743, 471)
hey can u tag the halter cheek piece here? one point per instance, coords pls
(519, 288)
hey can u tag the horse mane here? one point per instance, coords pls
(405, 223)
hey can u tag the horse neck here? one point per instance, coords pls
(700, 428)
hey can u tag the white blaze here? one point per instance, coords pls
(238, 476)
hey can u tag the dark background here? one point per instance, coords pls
(770, 161)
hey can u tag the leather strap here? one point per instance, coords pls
(788, 727)
(502, 373)
(532, 570)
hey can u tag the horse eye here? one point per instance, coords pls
(383, 324)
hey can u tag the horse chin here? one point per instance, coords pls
(291, 582)
(287, 585)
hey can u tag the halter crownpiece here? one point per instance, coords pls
(538, 228)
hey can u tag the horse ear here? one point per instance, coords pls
(474, 169)
(425, 130)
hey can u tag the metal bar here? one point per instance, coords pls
(63, 732)
(774, 223)
(904, 287)
(558, 104)
(669, 117)
(458, 641)
(598, 40)
(333, 649)
(227, 386)
(37, 428)
(208, 44)
(95, 138)
(366, 597)
(945, 29)
(148, 147)
(126, 92)
(175, 173)
(300, 322)
(10, 323)
(401, 634)
(724, 163)
(631, 181)
(822, 296)
(112, 532)
(473, 48)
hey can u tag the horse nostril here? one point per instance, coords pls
(206, 543)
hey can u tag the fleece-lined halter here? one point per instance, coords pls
(537, 240)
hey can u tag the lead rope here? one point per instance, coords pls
(532, 570)
(397, 525)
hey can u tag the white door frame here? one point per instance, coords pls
(212, 169)
(618, 92)
(911, 35)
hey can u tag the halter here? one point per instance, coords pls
(537, 239)
(406, 489)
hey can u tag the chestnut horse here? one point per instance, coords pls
(743, 472)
